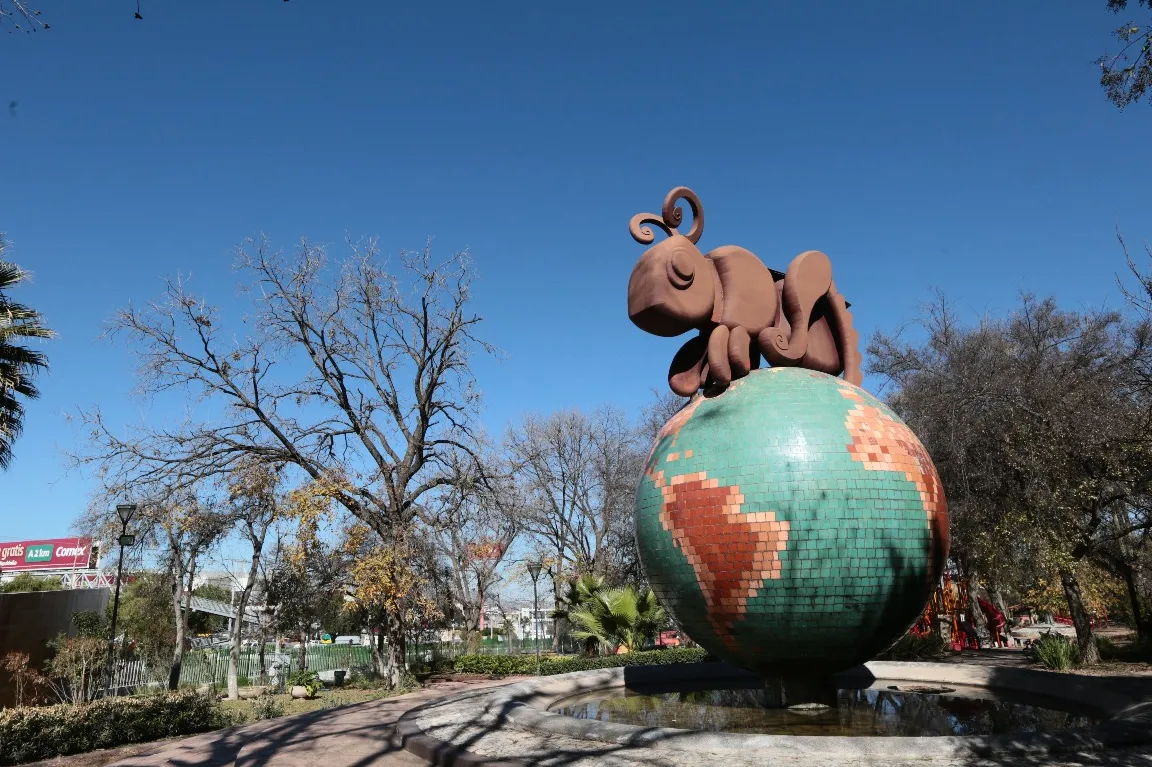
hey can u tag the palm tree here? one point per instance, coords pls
(18, 363)
(650, 618)
(577, 591)
(618, 617)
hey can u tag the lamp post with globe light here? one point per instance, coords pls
(534, 569)
(125, 511)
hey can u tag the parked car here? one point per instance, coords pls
(669, 639)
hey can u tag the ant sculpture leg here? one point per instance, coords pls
(814, 328)
(740, 352)
(713, 358)
(731, 355)
(689, 367)
(840, 320)
(719, 368)
(807, 280)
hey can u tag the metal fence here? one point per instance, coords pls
(210, 665)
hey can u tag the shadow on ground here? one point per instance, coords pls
(465, 736)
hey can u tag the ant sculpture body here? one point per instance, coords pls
(740, 307)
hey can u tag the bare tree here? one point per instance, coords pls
(186, 528)
(658, 411)
(19, 16)
(359, 378)
(255, 508)
(183, 526)
(580, 472)
(306, 586)
(476, 529)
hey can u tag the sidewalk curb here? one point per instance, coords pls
(442, 753)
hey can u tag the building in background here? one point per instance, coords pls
(514, 617)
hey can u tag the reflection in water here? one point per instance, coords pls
(857, 712)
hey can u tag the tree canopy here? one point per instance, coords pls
(1126, 74)
(19, 364)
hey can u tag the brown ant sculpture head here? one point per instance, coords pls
(673, 286)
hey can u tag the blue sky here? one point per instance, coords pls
(962, 146)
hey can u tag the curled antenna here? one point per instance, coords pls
(643, 234)
(674, 216)
(670, 218)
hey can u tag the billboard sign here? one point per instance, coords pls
(46, 554)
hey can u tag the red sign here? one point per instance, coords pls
(47, 554)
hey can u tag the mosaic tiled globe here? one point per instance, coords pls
(791, 524)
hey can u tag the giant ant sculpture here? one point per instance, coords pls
(741, 307)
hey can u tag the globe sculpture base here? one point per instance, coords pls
(800, 691)
(792, 525)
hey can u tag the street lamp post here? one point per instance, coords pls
(125, 511)
(534, 570)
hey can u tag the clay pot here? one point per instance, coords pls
(299, 691)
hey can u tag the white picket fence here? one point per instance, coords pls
(132, 675)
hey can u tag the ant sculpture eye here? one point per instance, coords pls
(681, 269)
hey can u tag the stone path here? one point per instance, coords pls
(366, 734)
(349, 736)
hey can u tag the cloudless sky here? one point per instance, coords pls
(965, 146)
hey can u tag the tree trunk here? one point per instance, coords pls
(303, 652)
(263, 641)
(186, 615)
(238, 626)
(379, 664)
(1085, 638)
(1134, 602)
(998, 600)
(182, 617)
(178, 610)
(1002, 605)
(979, 623)
(556, 621)
(397, 661)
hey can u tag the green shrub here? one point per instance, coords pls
(1133, 652)
(1055, 651)
(30, 582)
(440, 662)
(77, 667)
(307, 679)
(916, 648)
(363, 679)
(90, 624)
(266, 707)
(505, 665)
(31, 733)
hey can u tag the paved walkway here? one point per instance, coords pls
(364, 734)
(349, 736)
(481, 725)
